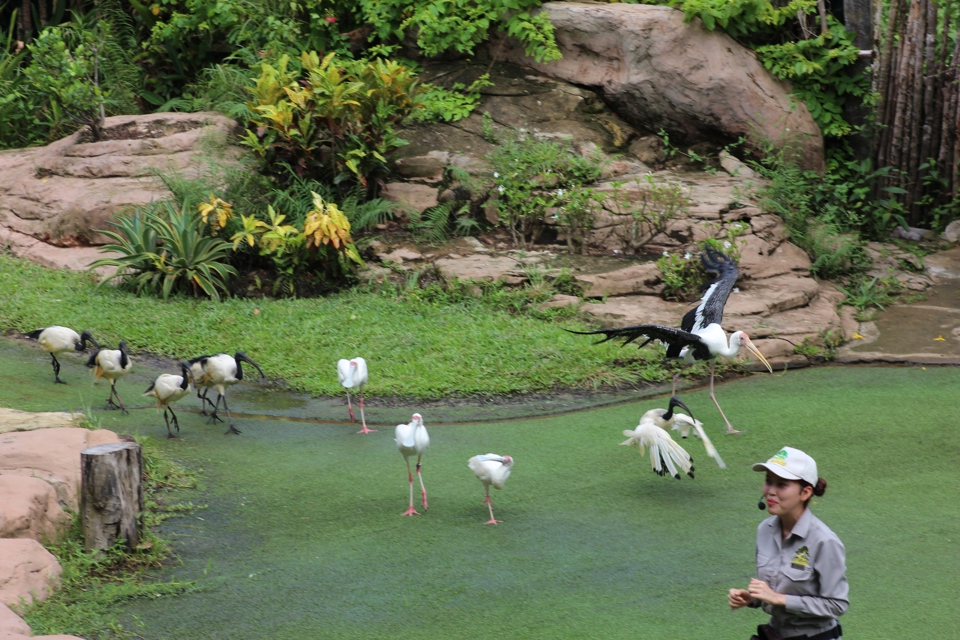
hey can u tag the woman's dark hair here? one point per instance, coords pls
(818, 489)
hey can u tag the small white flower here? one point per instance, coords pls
(666, 254)
(686, 256)
(616, 251)
(559, 193)
(500, 188)
(555, 217)
(496, 175)
(726, 244)
(736, 289)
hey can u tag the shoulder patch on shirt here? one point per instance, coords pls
(802, 559)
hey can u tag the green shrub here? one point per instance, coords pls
(646, 211)
(332, 119)
(167, 250)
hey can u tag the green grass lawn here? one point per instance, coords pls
(303, 537)
(413, 348)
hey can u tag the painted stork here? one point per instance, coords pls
(222, 371)
(56, 340)
(111, 364)
(169, 388)
(700, 336)
(353, 375)
(668, 420)
(491, 469)
(412, 440)
(666, 456)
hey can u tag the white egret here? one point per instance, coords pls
(111, 364)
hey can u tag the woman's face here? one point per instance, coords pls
(784, 497)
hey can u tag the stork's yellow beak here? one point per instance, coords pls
(753, 349)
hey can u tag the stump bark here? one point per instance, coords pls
(111, 494)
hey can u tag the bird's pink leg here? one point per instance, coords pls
(353, 418)
(423, 489)
(730, 429)
(362, 418)
(486, 498)
(410, 510)
(676, 377)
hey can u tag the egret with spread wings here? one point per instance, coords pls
(700, 336)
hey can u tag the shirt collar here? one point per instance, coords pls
(802, 527)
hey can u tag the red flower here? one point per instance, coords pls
(330, 19)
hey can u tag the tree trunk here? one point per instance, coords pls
(111, 494)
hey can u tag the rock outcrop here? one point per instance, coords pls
(658, 71)
(60, 194)
(39, 477)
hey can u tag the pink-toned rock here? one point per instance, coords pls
(624, 310)
(401, 254)
(560, 300)
(11, 625)
(760, 259)
(658, 71)
(642, 278)
(29, 509)
(849, 322)
(49, 255)
(409, 196)
(773, 295)
(14, 420)
(52, 455)
(27, 571)
(769, 227)
(61, 193)
(479, 267)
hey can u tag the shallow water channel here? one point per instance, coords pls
(300, 533)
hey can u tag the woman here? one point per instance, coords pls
(801, 571)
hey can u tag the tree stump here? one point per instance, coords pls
(111, 494)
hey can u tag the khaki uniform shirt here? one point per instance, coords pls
(810, 568)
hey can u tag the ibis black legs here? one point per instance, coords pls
(176, 423)
(113, 394)
(56, 369)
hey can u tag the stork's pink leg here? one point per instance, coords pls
(362, 418)
(486, 498)
(353, 418)
(730, 429)
(410, 510)
(676, 377)
(423, 489)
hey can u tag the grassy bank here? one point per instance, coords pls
(413, 346)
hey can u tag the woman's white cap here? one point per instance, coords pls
(791, 464)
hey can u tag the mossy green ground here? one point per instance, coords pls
(303, 537)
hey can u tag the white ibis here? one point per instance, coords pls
(491, 469)
(222, 371)
(169, 388)
(56, 340)
(666, 456)
(700, 336)
(412, 440)
(669, 420)
(353, 375)
(111, 364)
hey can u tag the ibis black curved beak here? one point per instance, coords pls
(240, 355)
(674, 403)
(86, 337)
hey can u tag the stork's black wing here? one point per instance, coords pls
(710, 309)
(671, 336)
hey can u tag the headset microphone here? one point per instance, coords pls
(761, 505)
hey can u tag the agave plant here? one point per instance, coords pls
(167, 250)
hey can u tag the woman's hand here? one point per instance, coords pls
(761, 591)
(739, 598)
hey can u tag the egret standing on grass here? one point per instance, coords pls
(412, 440)
(111, 364)
(222, 371)
(700, 336)
(353, 375)
(56, 340)
(169, 388)
(491, 469)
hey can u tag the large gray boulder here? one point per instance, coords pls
(657, 71)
